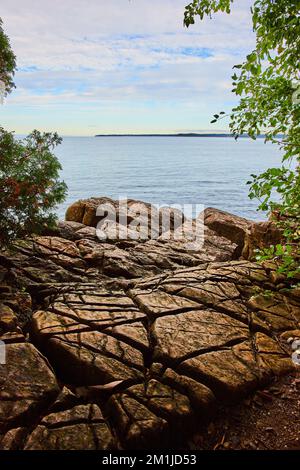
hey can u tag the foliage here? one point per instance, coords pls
(30, 186)
(204, 8)
(7, 62)
(29, 172)
(268, 84)
(283, 255)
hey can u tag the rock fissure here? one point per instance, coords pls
(133, 340)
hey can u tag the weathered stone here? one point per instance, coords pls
(133, 333)
(85, 356)
(96, 316)
(272, 355)
(13, 439)
(27, 385)
(233, 372)
(75, 212)
(86, 233)
(68, 229)
(290, 334)
(157, 332)
(51, 245)
(259, 236)
(240, 272)
(228, 226)
(80, 428)
(276, 310)
(81, 256)
(163, 401)
(15, 309)
(8, 320)
(248, 236)
(137, 426)
(64, 401)
(10, 337)
(186, 334)
(158, 302)
(201, 397)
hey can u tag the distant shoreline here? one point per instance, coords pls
(172, 135)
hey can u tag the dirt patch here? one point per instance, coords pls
(268, 420)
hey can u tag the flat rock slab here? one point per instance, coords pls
(80, 428)
(27, 385)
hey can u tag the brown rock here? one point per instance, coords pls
(75, 212)
(229, 226)
(205, 329)
(276, 310)
(80, 428)
(158, 302)
(27, 385)
(13, 439)
(249, 236)
(260, 235)
(230, 373)
(201, 397)
(272, 355)
(162, 400)
(236, 371)
(85, 356)
(136, 425)
(69, 230)
(8, 320)
(157, 331)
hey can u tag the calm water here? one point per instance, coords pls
(168, 170)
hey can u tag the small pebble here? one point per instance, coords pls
(269, 429)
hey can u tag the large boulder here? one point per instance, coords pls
(85, 211)
(246, 234)
(152, 221)
(259, 236)
(229, 226)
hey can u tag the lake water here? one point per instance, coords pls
(166, 170)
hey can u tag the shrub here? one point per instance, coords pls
(268, 85)
(29, 181)
(7, 63)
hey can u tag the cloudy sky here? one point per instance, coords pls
(118, 66)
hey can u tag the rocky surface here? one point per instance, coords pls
(247, 235)
(130, 343)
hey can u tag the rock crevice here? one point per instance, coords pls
(124, 344)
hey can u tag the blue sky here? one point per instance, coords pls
(119, 66)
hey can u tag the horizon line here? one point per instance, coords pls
(179, 134)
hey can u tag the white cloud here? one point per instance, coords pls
(121, 54)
